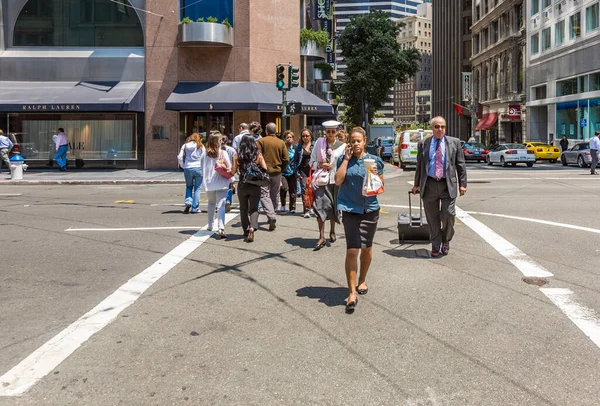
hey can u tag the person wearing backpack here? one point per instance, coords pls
(248, 193)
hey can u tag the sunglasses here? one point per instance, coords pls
(438, 126)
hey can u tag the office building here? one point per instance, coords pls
(415, 33)
(563, 69)
(451, 58)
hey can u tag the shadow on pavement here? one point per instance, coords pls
(302, 242)
(329, 296)
(408, 253)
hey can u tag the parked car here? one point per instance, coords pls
(385, 150)
(578, 154)
(475, 151)
(543, 151)
(511, 154)
(406, 146)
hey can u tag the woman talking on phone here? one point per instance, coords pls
(359, 213)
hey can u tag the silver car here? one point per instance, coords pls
(578, 154)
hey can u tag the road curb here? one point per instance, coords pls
(93, 182)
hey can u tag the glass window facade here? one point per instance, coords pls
(578, 120)
(78, 23)
(546, 39)
(205, 122)
(575, 26)
(535, 44)
(92, 136)
(194, 9)
(559, 33)
(591, 18)
(535, 7)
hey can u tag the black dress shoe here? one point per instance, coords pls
(320, 245)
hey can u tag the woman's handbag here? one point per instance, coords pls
(255, 175)
(320, 178)
(309, 193)
(221, 167)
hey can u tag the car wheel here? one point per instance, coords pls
(503, 162)
(478, 161)
(402, 166)
(581, 162)
(553, 161)
(563, 160)
(514, 164)
(529, 164)
(489, 160)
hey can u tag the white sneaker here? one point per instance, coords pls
(307, 215)
(282, 209)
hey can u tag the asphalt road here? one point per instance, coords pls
(233, 323)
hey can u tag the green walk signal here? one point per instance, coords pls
(280, 77)
(293, 77)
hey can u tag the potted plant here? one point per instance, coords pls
(320, 38)
(322, 70)
(205, 32)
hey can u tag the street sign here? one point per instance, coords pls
(584, 122)
(294, 108)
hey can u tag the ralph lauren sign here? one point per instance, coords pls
(50, 107)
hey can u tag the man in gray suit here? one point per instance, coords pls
(440, 166)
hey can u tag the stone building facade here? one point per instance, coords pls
(498, 38)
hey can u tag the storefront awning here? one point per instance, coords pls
(55, 97)
(232, 96)
(487, 121)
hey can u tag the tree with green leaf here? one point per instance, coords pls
(375, 62)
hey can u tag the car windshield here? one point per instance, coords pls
(416, 137)
(584, 146)
(474, 145)
(515, 146)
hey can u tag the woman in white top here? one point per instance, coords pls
(215, 184)
(323, 162)
(190, 160)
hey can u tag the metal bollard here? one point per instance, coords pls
(17, 166)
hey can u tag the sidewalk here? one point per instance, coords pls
(94, 177)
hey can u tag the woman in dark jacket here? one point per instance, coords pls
(302, 163)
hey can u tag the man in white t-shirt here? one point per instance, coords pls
(594, 147)
(243, 131)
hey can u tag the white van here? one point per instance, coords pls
(405, 149)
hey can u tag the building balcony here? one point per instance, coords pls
(312, 52)
(202, 34)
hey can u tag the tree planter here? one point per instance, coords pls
(311, 51)
(205, 35)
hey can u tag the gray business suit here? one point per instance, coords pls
(439, 197)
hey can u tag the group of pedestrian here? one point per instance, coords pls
(338, 167)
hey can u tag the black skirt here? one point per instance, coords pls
(360, 228)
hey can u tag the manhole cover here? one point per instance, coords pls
(535, 281)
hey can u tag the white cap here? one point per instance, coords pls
(331, 124)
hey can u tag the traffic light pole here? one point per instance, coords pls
(283, 112)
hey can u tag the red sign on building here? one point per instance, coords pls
(514, 112)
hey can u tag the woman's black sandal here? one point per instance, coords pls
(362, 291)
(350, 306)
(332, 237)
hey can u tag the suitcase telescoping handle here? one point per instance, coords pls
(410, 209)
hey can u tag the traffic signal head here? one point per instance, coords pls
(293, 77)
(280, 77)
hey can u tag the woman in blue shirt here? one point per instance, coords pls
(360, 213)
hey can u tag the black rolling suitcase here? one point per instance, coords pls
(412, 227)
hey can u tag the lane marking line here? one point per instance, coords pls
(135, 228)
(550, 223)
(46, 358)
(518, 258)
(11, 194)
(583, 317)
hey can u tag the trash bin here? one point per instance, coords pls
(17, 166)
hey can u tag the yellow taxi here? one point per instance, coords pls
(544, 151)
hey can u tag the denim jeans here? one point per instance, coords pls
(61, 156)
(216, 199)
(193, 182)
